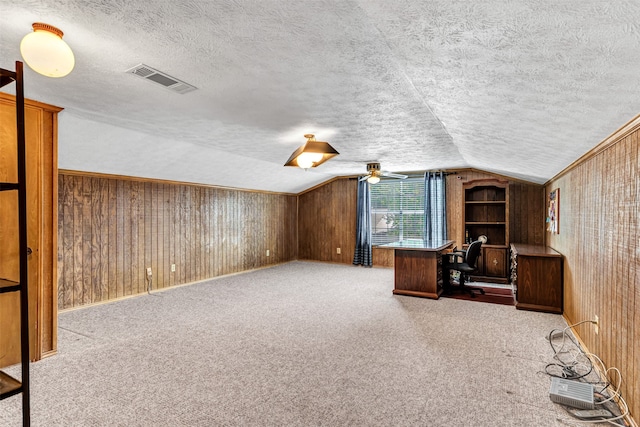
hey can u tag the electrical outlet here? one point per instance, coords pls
(596, 324)
(267, 252)
(149, 271)
(338, 251)
(173, 268)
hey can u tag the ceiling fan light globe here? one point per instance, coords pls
(373, 179)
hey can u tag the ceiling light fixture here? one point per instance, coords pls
(313, 153)
(45, 51)
(373, 179)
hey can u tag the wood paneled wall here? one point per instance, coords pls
(326, 217)
(327, 221)
(110, 230)
(599, 197)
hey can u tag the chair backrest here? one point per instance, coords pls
(473, 251)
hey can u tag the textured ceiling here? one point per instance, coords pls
(518, 87)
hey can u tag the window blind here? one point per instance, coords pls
(397, 210)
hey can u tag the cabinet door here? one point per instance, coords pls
(495, 262)
(42, 176)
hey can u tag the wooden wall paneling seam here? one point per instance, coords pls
(190, 237)
(635, 142)
(231, 233)
(182, 235)
(215, 233)
(621, 255)
(244, 223)
(609, 318)
(243, 220)
(65, 286)
(113, 236)
(87, 249)
(152, 260)
(181, 232)
(137, 285)
(129, 285)
(138, 273)
(61, 270)
(95, 240)
(221, 226)
(197, 233)
(210, 232)
(225, 244)
(245, 202)
(77, 242)
(103, 215)
(148, 235)
(627, 212)
(228, 232)
(166, 211)
(634, 331)
(239, 206)
(238, 211)
(120, 216)
(206, 203)
(156, 218)
(169, 234)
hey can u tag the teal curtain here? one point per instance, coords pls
(362, 255)
(435, 206)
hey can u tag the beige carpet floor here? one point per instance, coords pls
(299, 344)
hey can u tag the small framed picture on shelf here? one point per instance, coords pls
(553, 212)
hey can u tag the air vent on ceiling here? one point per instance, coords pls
(171, 83)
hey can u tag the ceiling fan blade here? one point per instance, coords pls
(362, 178)
(393, 175)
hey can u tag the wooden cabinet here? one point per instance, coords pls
(494, 262)
(41, 185)
(486, 213)
(418, 267)
(536, 277)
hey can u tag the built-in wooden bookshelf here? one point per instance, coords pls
(486, 213)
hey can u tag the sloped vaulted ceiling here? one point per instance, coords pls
(518, 87)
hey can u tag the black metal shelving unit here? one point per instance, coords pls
(10, 386)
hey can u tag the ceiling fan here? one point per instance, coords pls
(374, 173)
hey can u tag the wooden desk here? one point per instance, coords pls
(418, 267)
(536, 278)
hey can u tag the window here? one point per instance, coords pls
(397, 210)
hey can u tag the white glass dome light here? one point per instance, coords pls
(306, 160)
(373, 179)
(45, 51)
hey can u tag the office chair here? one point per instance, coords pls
(466, 262)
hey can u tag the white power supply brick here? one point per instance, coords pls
(571, 393)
